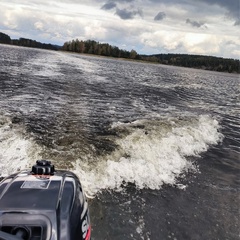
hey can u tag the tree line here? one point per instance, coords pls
(196, 61)
(96, 48)
(25, 42)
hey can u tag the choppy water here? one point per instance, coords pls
(157, 147)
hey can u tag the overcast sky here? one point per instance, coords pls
(208, 27)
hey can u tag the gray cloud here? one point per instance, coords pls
(126, 14)
(109, 5)
(128, 1)
(160, 16)
(112, 4)
(232, 6)
(195, 23)
(237, 22)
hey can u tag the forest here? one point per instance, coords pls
(196, 61)
(105, 49)
(96, 48)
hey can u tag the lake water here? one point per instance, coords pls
(155, 147)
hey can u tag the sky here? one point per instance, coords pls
(205, 27)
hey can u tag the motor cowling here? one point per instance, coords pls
(49, 204)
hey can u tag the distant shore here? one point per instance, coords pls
(143, 61)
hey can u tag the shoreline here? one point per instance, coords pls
(126, 59)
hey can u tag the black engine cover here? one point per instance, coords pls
(43, 204)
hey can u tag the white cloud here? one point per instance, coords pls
(38, 25)
(95, 30)
(190, 42)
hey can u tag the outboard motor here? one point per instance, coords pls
(43, 204)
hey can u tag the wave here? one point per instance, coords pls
(150, 153)
(17, 151)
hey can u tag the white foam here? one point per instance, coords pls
(150, 156)
(45, 66)
(16, 151)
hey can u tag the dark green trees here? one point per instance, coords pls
(96, 48)
(4, 38)
(196, 61)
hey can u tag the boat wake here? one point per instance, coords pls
(17, 150)
(150, 153)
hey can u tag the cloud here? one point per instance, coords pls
(125, 9)
(195, 23)
(38, 25)
(113, 3)
(237, 22)
(160, 16)
(164, 41)
(109, 5)
(232, 7)
(57, 21)
(126, 14)
(127, 1)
